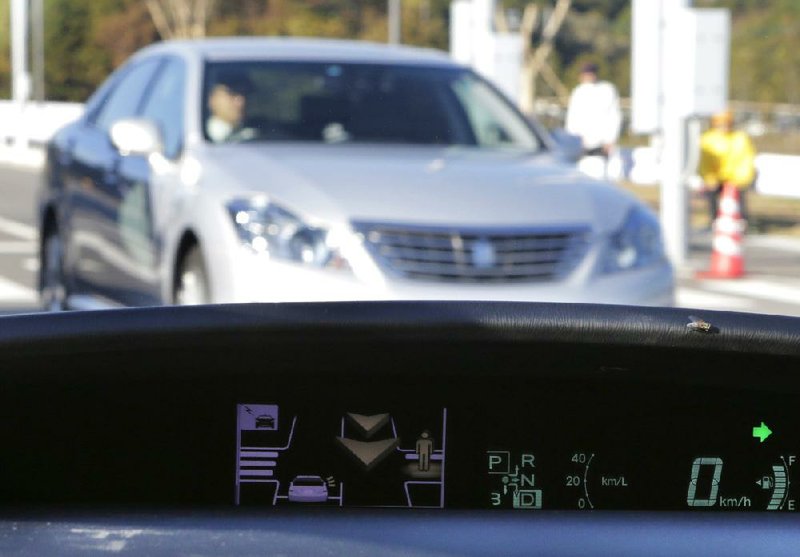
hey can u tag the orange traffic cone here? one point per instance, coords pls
(726, 247)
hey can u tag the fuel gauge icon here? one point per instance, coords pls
(778, 482)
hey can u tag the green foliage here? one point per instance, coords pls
(87, 39)
(5, 51)
(69, 58)
(601, 37)
(765, 38)
(764, 42)
(764, 62)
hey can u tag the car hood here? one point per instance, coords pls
(415, 185)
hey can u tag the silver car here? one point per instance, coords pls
(249, 170)
(308, 489)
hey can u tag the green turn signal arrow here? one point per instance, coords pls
(762, 432)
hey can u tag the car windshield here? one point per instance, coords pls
(307, 482)
(364, 103)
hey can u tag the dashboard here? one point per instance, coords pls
(523, 417)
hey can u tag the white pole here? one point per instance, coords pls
(20, 80)
(395, 21)
(674, 198)
(19, 51)
(37, 24)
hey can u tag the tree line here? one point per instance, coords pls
(86, 39)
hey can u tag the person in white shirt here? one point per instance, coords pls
(594, 114)
(227, 103)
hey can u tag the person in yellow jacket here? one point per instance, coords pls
(727, 156)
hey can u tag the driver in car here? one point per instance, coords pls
(227, 105)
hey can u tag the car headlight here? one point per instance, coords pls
(271, 230)
(636, 244)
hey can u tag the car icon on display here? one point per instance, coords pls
(308, 489)
(265, 421)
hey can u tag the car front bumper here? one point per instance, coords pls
(247, 277)
(308, 497)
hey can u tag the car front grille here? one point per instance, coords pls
(476, 255)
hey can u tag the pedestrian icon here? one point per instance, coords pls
(424, 451)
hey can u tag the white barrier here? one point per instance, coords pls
(36, 124)
(639, 165)
(776, 173)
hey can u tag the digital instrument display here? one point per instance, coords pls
(539, 448)
(507, 426)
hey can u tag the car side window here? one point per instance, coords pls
(125, 99)
(165, 106)
(493, 121)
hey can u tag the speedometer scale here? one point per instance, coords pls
(644, 449)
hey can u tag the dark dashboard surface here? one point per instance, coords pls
(283, 421)
(395, 533)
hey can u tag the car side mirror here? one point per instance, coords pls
(570, 146)
(136, 136)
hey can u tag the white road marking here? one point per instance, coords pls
(99, 539)
(31, 264)
(759, 289)
(18, 229)
(11, 291)
(780, 243)
(17, 248)
(696, 298)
